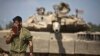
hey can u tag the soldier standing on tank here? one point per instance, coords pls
(19, 38)
(62, 9)
(39, 18)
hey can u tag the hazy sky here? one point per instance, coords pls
(26, 8)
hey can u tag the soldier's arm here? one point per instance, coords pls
(9, 37)
(31, 48)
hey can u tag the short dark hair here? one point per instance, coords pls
(41, 8)
(17, 18)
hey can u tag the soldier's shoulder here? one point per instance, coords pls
(25, 29)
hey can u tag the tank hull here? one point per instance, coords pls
(61, 43)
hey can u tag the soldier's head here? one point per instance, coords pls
(17, 21)
(64, 6)
(41, 10)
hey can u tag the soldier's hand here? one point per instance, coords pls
(9, 35)
(31, 54)
(12, 33)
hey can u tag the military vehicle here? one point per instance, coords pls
(60, 35)
(66, 23)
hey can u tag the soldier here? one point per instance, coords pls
(39, 19)
(19, 38)
(61, 9)
(64, 8)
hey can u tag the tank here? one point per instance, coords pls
(59, 34)
(57, 19)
